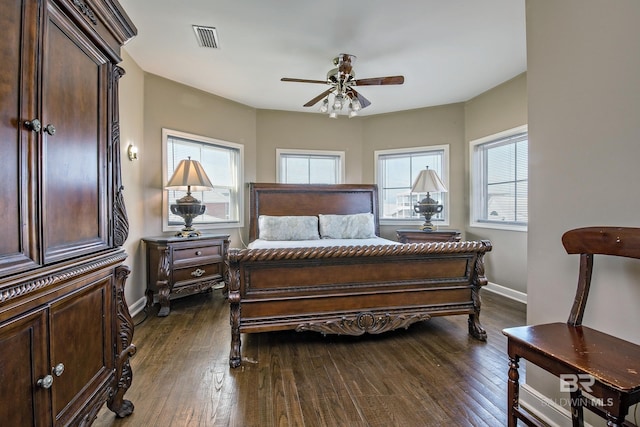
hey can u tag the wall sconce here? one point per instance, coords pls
(132, 152)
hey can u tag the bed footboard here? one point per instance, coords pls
(353, 290)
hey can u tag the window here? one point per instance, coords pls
(222, 161)
(499, 180)
(310, 166)
(395, 172)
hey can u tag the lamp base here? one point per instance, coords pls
(427, 226)
(188, 232)
(427, 207)
(188, 211)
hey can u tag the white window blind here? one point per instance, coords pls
(310, 166)
(500, 180)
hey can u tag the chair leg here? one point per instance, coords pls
(513, 390)
(577, 419)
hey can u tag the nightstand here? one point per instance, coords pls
(424, 236)
(179, 266)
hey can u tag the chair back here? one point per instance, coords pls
(588, 241)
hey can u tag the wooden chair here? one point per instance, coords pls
(604, 367)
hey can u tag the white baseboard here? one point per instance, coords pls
(506, 292)
(544, 408)
(137, 306)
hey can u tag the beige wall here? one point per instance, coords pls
(584, 146)
(131, 93)
(502, 108)
(442, 125)
(309, 131)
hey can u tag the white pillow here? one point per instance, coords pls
(356, 226)
(288, 227)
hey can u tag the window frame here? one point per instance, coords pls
(339, 155)
(476, 194)
(237, 181)
(444, 176)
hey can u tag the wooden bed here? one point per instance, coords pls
(348, 290)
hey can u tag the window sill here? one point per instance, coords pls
(498, 226)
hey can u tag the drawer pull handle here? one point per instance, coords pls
(197, 272)
(198, 253)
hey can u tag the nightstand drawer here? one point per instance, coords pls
(195, 253)
(199, 272)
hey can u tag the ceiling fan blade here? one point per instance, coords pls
(318, 98)
(390, 80)
(287, 79)
(364, 102)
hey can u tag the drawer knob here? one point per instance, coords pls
(197, 272)
(33, 125)
(198, 253)
(58, 369)
(45, 382)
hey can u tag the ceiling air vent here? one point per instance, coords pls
(207, 36)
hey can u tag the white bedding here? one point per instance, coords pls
(271, 244)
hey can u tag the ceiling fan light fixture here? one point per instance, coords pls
(355, 105)
(341, 81)
(338, 102)
(324, 107)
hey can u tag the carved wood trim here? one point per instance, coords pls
(124, 349)
(120, 219)
(480, 247)
(196, 287)
(86, 11)
(364, 322)
(23, 288)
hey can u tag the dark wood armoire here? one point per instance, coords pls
(65, 329)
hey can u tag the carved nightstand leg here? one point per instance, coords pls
(164, 269)
(163, 298)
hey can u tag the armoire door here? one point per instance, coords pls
(25, 379)
(75, 189)
(20, 25)
(80, 350)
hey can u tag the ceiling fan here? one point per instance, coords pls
(342, 80)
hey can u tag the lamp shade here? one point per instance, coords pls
(189, 174)
(428, 181)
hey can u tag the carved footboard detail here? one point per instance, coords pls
(479, 280)
(234, 309)
(244, 255)
(366, 322)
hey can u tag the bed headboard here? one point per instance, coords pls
(311, 199)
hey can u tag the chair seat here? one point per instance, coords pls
(610, 360)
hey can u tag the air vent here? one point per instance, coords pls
(207, 36)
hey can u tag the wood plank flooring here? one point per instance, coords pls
(432, 374)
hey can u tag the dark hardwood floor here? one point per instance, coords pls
(432, 374)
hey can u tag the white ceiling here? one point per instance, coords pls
(448, 50)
